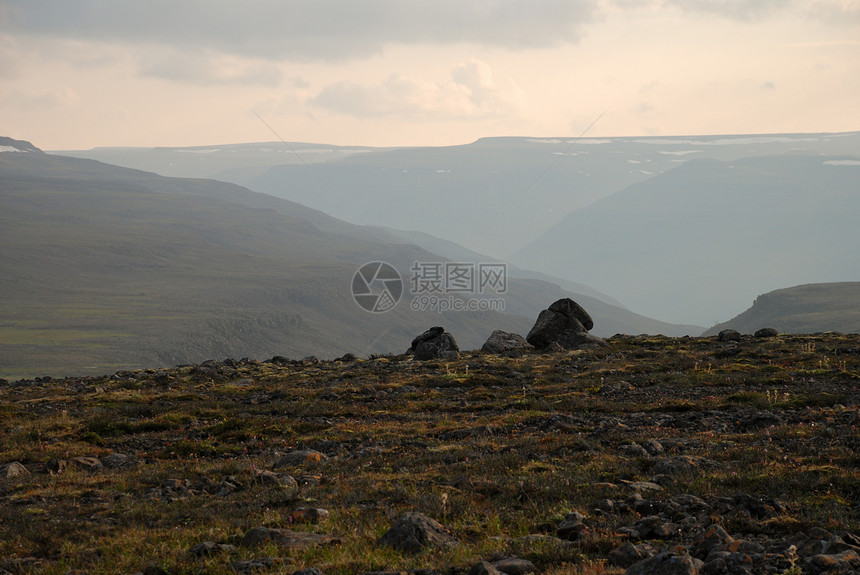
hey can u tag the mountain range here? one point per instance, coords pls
(686, 229)
(108, 268)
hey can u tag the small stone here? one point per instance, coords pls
(843, 562)
(515, 566)
(86, 463)
(653, 447)
(483, 568)
(714, 537)
(628, 554)
(664, 564)
(309, 515)
(252, 565)
(300, 457)
(208, 548)
(14, 469)
(412, 532)
(572, 526)
(119, 461)
(286, 538)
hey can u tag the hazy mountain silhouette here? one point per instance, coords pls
(811, 308)
(107, 268)
(700, 240)
(493, 196)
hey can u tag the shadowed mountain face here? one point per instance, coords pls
(107, 268)
(698, 242)
(810, 308)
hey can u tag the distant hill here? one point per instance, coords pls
(107, 268)
(697, 243)
(808, 308)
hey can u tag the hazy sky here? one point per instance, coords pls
(81, 73)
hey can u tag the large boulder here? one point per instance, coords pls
(505, 343)
(565, 324)
(569, 308)
(435, 343)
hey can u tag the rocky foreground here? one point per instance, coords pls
(645, 455)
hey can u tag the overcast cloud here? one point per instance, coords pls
(303, 29)
(78, 73)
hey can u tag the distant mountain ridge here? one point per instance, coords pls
(108, 268)
(811, 308)
(493, 196)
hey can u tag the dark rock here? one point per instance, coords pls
(414, 531)
(209, 548)
(549, 326)
(56, 466)
(431, 333)
(86, 463)
(435, 343)
(665, 564)
(616, 388)
(279, 480)
(628, 554)
(484, 568)
(845, 562)
(505, 343)
(347, 358)
(653, 447)
(119, 461)
(441, 347)
(766, 332)
(515, 566)
(569, 308)
(252, 565)
(308, 571)
(572, 339)
(714, 537)
(654, 527)
(729, 335)
(572, 526)
(566, 324)
(286, 538)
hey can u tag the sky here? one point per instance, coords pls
(77, 74)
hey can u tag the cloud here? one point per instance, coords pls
(307, 30)
(41, 98)
(208, 68)
(469, 92)
(742, 10)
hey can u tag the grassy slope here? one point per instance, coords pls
(495, 448)
(802, 309)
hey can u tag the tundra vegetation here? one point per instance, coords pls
(742, 452)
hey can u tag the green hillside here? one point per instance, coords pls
(809, 308)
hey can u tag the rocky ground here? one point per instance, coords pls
(648, 455)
